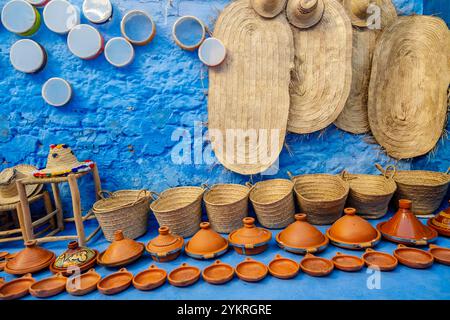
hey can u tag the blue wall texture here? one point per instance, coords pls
(124, 118)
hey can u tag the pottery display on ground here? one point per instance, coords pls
(121, 251)
(30, 260)
(283, 268)
(74, 259)
(48, 287)
(347, 262)
(440, 254)
(83, 284)
(413, 257)
(206, 243)
(3, 256)
(379, 260)
(115, 282)
(218, 273)
(184, 276)
(150, 279)
(16, 288)
(316, 266)
(166, 246)
(251, 270)
(441, 222)
(249, 239)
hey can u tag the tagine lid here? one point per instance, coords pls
(32, 257)
(165, 242)
(441, 222)
(206, 241)
(121, 249)
(75, 256)
(301, 234)
(249, 234)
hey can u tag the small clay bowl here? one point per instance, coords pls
(347, 262)
(413, 258)
(440, 254)
(379, 260)
(251, 270)
(115, 282)
(17, 288)
(218, 273)
(83, 283)
(283, 268)
(48, 287)
(150, 279)
(3, 255)
(184, 276)
(316, 266)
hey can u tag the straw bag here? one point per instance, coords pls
(426, 189)
(369, 194)
(273, 201)
(179, 208)
(321, 196)
(125, 210)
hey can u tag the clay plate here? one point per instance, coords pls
(346, 262)
(379, 260)
(48, 287)
(251, 270)
(83, 284)
(283, 268)
(150, 279)
(115, 282)
(440, 254)
(218, 273)
(184, 276)
(3, 255)
(413, 258)
(316, 266)
(17, 288)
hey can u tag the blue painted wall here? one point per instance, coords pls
(124, 118)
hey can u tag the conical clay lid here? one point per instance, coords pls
(206, 242)
(165, 242)
(121, 249)
(249, 234)
(31, 259)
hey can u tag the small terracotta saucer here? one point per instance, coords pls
(115, 282)
(11, 256)
(83, 284)
(316, 266)
(218, 273)
(48, 287)
(184, 276)
(2, 265)
(17, 288)
(283, 268)
(413, 258)
(347, 262)
(440, 254)
(3, 255)
(251, 270)
(379, 260)
(150, 279)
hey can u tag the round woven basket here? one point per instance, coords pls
(180, 209)
(125, 210)
(273, 201)
(226, 206)
(321, 196)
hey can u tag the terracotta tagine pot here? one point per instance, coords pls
(150, 279)
(316, 266)
(218, 273)
(249, 239)
(121, 251)
(74, 257)
(441, 222)
(405, 228)
(206, 243)
(353, 232)
(440, 254)
(301, 237)
(283, 268)
(30, 260)
(115, 282)
(166, 246)
(347, 262)
(413, 257)
(16, 288)
(3, 256)
(48, 287)
(184, 276)
(379, 260)
(83, 284)
(251, 270)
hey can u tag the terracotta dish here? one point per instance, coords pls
(441, 222)
(17, 288)
(3, 255)
(115, 282)
(184, 276)
(218, 273)
(283, 268)
(316, 266)
(30, 260)
(250, 239)
(121, 251)
(48, 287)
(413, 257)
(440, 254)
(74, 258)
(83, 284)
(166, 246)
(346, 262)
(251, 270)
(379, 260)
(206, 243)
(150, 279)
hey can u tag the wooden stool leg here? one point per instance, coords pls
(19, 214)
(49, 209)
(27, 226)
(76, 204)
(58, 204)
(97, 182)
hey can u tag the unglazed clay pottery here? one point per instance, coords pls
(441, 222)
(218, 273)
(283, 268)
(249, 239)
(184, 276)
(48, 287)
(413, 257)
(379, 260)
(150, 279)
(115, 282)
(316, 266)
(405, 228)
(353, 232)
(3, 255)
(346, 262)
(166, 246)
(121, 251)
(17, 288)
(206, 243)
(251, 270)
(83, 284)
(440, 254)
(30, 260)
(301, 237)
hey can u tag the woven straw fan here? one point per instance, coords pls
(408, 86)
(322, 75)
(354, 118)
(250, 90)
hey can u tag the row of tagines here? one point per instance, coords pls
(350, 232)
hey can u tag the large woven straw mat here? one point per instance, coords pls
(408, 86)
(250, 90)
(354, 118)
(322, 75)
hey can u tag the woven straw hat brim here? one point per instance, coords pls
(30, 189)
(356, 21)
(308, 20)
(319, 87)
(268, 8)
(407, 104)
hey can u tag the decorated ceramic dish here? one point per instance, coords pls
(85, 42)
(413, 257)
(251, 270)
(115, 282)
(119, 52)
(212, 52)
(218, 273)
(74, 259)
(316, 266)
(347, 262)
(48, 287)
(441, 222)
(188, 32)
(379, 260)
(138, 27)
(184, 276)
(283, 268)
(16, 288)
(61, 16)
(56, 92)
(150, 279)
(440, 254)
(83, 284)
(20, 17)
(28, 56)
(97, 11)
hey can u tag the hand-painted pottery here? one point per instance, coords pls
(97, 11)
(48, 287)
(56, 92)
(212, 52)
(74, 258)
(28, 56)
(413, 257)
(379, 260)
(166, 246)
(440, 254)
(218, 273)
(61, 16)
(441, 222)
(283, 268)
(251, 270)
(16, 288)
(346, 262)
(405, 228)
(249, 239)
(85, 42)
(184, 276)
(301, 237)
(30, 260)
(353, 232)
(138, 27)
(121, 251)
(20, 17)
(119, 52)
(83, 284)
(150, 279)
(188, 32)
(115, 282)
(206, 243)
(316, 266)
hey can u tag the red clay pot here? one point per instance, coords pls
(150, 279)
(316, 266)
(379, 260)
(441, 222)
(166, 246)
(16, 288)
(206, 243)
(30, 260)
(346, 262)
(251, 270)
(440, 254)
(115, 282)
(413, 257)
(249, 239)
(83, 283)
(121, 251)
(218, 273)
(283, 268)
(74, 257)
(184, 276)
(48, 287)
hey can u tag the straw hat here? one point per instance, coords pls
(268, 8)
(305, 13)
(61, 161)
(8, 178)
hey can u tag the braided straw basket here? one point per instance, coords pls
(226, 206)
(180, 209)
(273, 201)
(426, 189)
(125, 210)
(321, 196)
